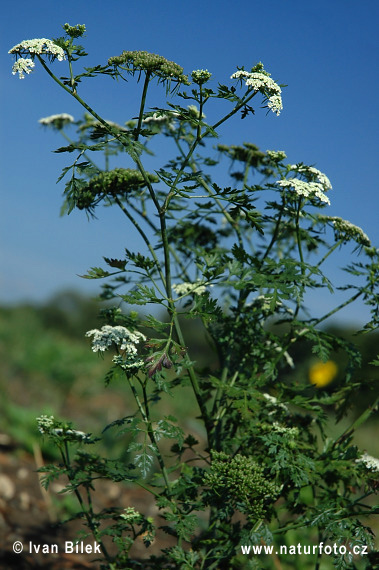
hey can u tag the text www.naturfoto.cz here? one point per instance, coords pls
(327, 549)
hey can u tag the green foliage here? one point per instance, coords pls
(239, 261)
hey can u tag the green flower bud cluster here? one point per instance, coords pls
(345, 230)
(201, 76)
(74, 31)
(151, 62)
(117, 182)
(248, 153)
(276, 155)
(239, 482)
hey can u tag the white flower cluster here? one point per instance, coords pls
(195, 111)
(186, 288)
(316, 183)
(73, 433)
(46, 426)
(291, 432)
(274, 402)
(166, 119)
(57, 120)
(370, 462)
(22, 66)
(45, 423)
(313, 174)
(261, 81)
(95, 123)
(133, 361)
(39, 46)
(131, 515)
(305, 189)
(33, 47)
(121, 336)
(347, 230)
(159, 118)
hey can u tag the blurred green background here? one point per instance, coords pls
(47, 367)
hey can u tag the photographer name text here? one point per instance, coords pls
(68, 548)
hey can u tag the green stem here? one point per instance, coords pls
(300, 250)
(247, 97)
(145, 414)
(315, 322)
(153, 440)
(75, 95)
(142, 106)
(145, 239)
(72, 80)
(128, 147)
(339, 242)
(174, 316)
(88, 514)
(276, 231)
(357, 423)
(334, 311)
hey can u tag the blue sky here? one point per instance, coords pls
(325, 51)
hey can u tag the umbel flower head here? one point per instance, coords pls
(371, 463)
(162, 68)
(125, 340)
(118, 335)
(260, 80)
(310, 183)
(57, 121)
(48, 425)
(22, 66)
(201, 76)
(31, 48)
(345, 230)
(117, 182)
(196, 288)
(238, 482)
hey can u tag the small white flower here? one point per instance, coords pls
(195, 111)
(129, 362)
(275, 104)
(22, 66)
(45, 423)
(159, 119)
(370, 462)
(313, 174)
(121, 336)
(196, 288)
(57, 121)
(271, 399)
(260, 80)
(274, 402)
(291, 432)
(305, 189)
(155, 118)
(95, 123)
(131, 515)
(73, 433)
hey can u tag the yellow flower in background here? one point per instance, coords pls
(323, 373)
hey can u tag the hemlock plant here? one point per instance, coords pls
(238, 262)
